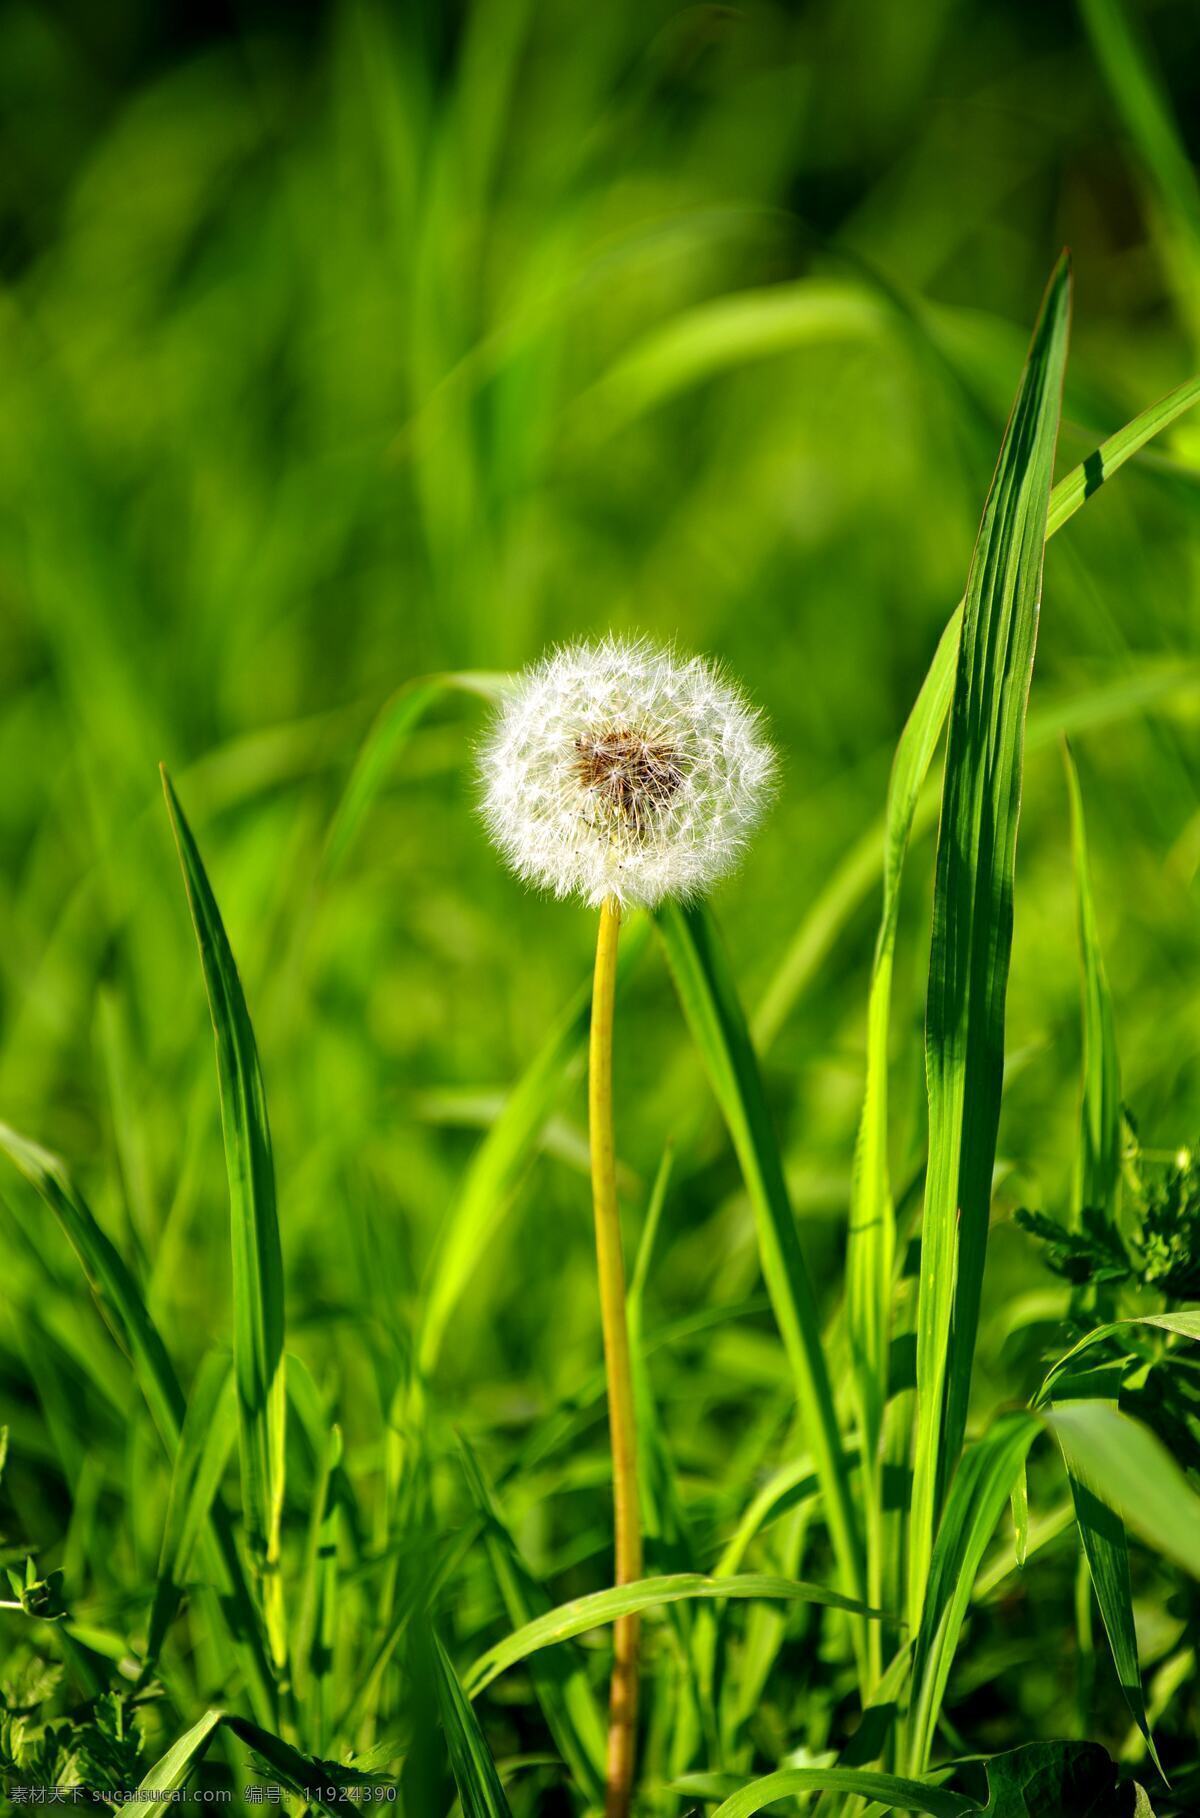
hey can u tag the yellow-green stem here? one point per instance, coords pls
(622, 1722)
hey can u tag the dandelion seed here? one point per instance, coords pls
(620, 770)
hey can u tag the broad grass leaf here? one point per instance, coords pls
(1130, 1469)
(471, 1761)
(600, 1608)
(258, 1297)
(972, 916)
(171, 1771)
(708, 994)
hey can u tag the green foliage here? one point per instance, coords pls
(350, 358)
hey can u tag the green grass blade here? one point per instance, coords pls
(1098, 1159)
(829, 911)
(471, 1761)
(314, 1633)
(396, 720)
(1143, 103)
(171, 1771)
(560, 1681)
(1183, 1325)
(314, 1780)
(726, 333)
(1130, 1469)
(258, 1298)
(205, 1441)
(1078, 486)
(972, 916)
(978, 1497)
(1106, 1550)
(704, 982)
(871, 1243)
(891, 1792)
(121, 1301)
(599, 1608)
(497, 1163)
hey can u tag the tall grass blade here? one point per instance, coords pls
(1098, 1159)
(972, 916)
(205, 1442)
(1096, 1186)
(258, 1299)
(471, 1761)
(707, 992)
(857, 872)
(978, 1497)
(121, 1302)
(871, 1245)
(1142, 100)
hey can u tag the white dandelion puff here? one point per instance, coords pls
(622, 770)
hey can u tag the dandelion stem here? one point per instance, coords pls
(622, 1724)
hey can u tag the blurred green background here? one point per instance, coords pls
(340, 345)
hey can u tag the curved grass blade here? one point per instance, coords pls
(1098, 1159)
(258, 1299)
(972, 916)
(397, 719)
(1183, 1325)
(205, 1442)
(171, 1771)
(727, 332)
(471, 1761)
(497, 1162)
(1130, 1469)
(121, 1303)
(704, 982)
(600, 1608)
(982, 1486)
(890, 1792)
(559, 1681)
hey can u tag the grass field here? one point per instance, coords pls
(351, 357)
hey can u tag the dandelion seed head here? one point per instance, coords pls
(622, 769)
